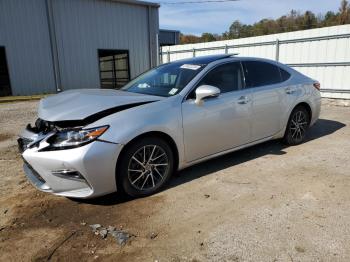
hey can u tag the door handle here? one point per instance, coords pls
(290, 91)
(243, 100)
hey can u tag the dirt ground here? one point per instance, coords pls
(265, 203)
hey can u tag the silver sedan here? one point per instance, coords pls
(88, 143)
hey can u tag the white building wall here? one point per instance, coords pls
(326, 58)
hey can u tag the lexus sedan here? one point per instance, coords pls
(88, 143)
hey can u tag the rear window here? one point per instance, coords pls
(259, 73)
(284, 74)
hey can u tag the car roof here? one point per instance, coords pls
(206, 60)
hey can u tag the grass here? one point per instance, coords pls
(9, 99)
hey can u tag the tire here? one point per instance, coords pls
(298, 124)
(141, 172)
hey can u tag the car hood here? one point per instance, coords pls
(84, 103)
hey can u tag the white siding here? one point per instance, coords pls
(299, 53)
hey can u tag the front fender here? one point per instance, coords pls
(162, 116)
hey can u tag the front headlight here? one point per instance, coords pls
(75, 137)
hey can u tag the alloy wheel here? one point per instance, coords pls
(298, 127)
(148, 167)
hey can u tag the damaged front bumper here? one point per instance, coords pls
(83, 172)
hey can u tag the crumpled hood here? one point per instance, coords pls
(83, 103)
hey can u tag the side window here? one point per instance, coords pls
(284, 74)
(261, 73)
(226, 77)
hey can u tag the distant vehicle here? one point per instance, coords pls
(88, 143)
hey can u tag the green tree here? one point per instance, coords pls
(189, 39)
(329, 19)
(208, 37)
(309, 20)
(292, 21)
(235, 29)
(344, 12)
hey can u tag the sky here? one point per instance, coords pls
(217, 17)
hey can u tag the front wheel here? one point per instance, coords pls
(297, 126)
(145, 166)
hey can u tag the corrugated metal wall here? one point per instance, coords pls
(83, 27)
(323, 54)
(24, 34)
(169, 37)
(80, 27)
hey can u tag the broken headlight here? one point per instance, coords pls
(74, 138)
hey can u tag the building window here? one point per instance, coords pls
(114, 68)
(5, 88)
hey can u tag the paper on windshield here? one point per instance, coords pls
(143, 85)
(173, 91)
(191, 67)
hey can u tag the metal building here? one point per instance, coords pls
(52, 45)
(169, 37)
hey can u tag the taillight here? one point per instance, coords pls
(317, 85)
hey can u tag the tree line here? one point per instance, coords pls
(293, 21)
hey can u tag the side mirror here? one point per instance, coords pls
(206, 91)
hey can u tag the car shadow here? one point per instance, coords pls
(322, 128)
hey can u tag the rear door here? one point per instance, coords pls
(264, 79)
(222, 122)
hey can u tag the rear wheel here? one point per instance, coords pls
(297, 126)
(145, 166)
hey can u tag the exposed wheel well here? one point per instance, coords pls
(306, 106)
(156, 134)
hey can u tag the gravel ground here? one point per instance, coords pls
(265, 203)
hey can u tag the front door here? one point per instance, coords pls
(220, 123)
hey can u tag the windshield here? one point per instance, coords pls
(165, 80)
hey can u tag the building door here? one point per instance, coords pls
(5, 88)
(114, 68)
